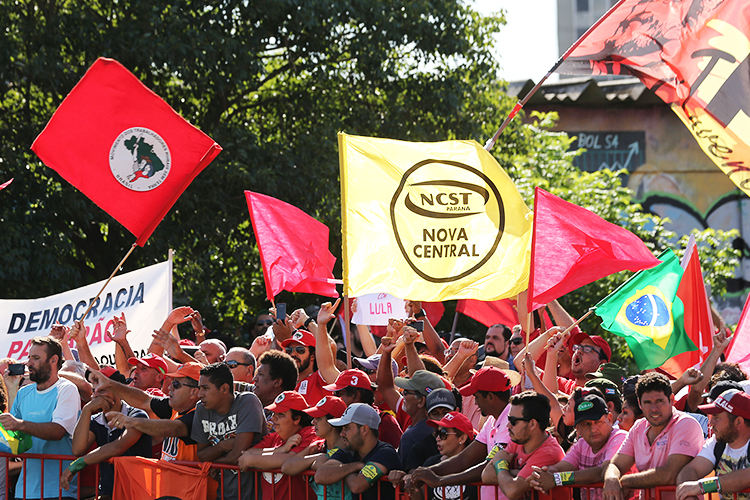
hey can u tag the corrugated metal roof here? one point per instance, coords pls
(588, 92)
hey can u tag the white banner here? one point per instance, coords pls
(145, 296)
(377, 308)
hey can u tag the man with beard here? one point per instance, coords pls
(48, 411)
(724, 452)
(365, 460)
(530, 446)
(490, 387)
(496, 341)
(659, 445)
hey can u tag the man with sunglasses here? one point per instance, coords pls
(531, 445)
(301, 347)
(174, 414)
(242, 363)
(588, 353)
(262, 323)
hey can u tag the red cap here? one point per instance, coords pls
(732, 401)
(301, 337)
(189, 370)
(108, 371)
(454, 420)
(350, 378)
(329, 405)
(489, 378)
(596, 339)
(187, 342)
(152, 361)
(288, 400)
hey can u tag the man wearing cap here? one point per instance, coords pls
(588, 353)
(531, 445)
(611, 393)
(226, 424)
(490, 388)
(589, 457)
(659, 445)
(174, 413)
(414, 401)
(289, 419)
(355, 386)
(724, 452)
(92, 428)
(365, 460)
(148, 374)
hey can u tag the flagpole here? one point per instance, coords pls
(453, 328)
(520, 104)
(91, 304)
(348, 333)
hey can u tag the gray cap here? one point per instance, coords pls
(441, 398)
(372, 362)
(358, 413)
(421, 381)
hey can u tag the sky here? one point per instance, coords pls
(527, 46)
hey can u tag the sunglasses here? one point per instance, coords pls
(300, 349)
(176, 384)
(588, 349)
(267, 322)
(234, 364)
(442, 434)
(514, 420)
(412, 393)
(516, 341)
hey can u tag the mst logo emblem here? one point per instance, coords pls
(448, 219)
(140, 159)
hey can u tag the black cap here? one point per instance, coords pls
(720, 387)
(590, 407)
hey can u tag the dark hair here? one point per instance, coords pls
(632, 401)
(218, 374)
(459, 399)
(501, 395)
(366, 396)
(305, 420)
(311, 350)
(507, 332)
(282, 366)
(52, 346)
(432, 365)
(653, 382)
(535, 407)
(729, 371)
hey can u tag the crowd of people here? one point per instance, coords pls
(417, 415)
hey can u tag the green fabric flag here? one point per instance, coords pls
(647, 312)
(14, 442)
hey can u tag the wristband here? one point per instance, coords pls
(566, 478)
(420, 314)
(372, 473)
(502, 465)
(558, 479)
(493, 452)
(76, 465)
(709, 485)
(308, 321)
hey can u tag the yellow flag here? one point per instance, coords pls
(431, 221)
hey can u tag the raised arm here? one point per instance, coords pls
(323, 355)
(385, 375)
(560, 315)
(176, 316)
(413, 361)
(431, 338)
(132, 395)
(78, 333)
(466, 349)
(536, 346)
(156, 427)
(720, 343)
(123, 351)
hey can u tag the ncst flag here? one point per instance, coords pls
(647, 312)
(431, 221)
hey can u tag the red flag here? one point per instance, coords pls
(698, 323)
(6, 184)
(503, 311)
(739, 349)
(572, 247)
(694, 56)
(293, 248)
(434, 311)
(124, 147)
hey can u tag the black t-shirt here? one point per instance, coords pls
(160, 406)
(451, 492)
(420, 452)
(383, 454)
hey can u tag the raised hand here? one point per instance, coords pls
(327, 312)
(120, 329)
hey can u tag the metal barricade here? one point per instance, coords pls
(42, 459)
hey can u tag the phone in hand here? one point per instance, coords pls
(418, 325)
(16, 368)
(281, 311)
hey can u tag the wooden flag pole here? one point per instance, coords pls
(568, 329)
(520, 104)
(91, 304)
(348, 333)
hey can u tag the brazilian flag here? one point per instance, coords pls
(14, 442)
(647, 312)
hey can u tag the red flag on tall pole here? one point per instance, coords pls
(694, 56)
(572, 247)
(739, 349)
(125, 148)
(698, 322)
(504, 311)
(293, 248)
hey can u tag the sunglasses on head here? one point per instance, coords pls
(514, 420)
(516, 341)
(176, 384)
(300, 349)
(234, 364)
(442, 434)
(267, 322)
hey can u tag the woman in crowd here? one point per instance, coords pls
(319, 451)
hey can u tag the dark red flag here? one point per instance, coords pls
(572, 247)
(122, 146)
(293, 248)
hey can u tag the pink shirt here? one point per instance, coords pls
(581, 456)
(682, 435)
(494, 432)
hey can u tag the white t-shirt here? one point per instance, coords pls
(732, 459)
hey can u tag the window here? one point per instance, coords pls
(582, 5)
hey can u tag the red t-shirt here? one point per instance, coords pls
(311, 388)
(549, 453)
(403, 418)
(277, 485)
(389, 430)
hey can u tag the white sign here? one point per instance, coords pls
(377, 308)
(144, 296)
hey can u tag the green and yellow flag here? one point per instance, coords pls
(647, 312)
(431, 221)
(14, 442)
